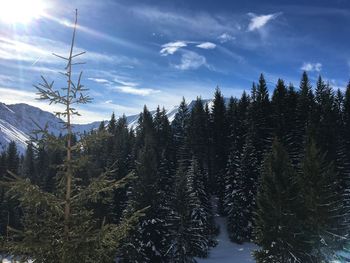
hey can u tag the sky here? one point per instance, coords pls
(155, 52)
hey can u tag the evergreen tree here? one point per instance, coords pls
(241, 193)
(200, 217)
(219, 147)
(304, 114)
(346, 116)
(60, 226)
(192, 229)
(260, 115)
(12, 158)
(325, 119)
(323, 213)
(279, 109)
(180, 130)
(182, 233)
(147, 243)
(29, 165)
(198, 135)
(278, 230)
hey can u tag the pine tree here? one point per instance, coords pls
(192, 229)
(29, 165)
(279, 109)
(200, 218)
(240, 201)
(198, 135)
(59, 226)
(304, 115)
(12, 158)
(260, 115)
(180, 129)
(219, 147)
(325, 119)
(323, 213)
(346, 116)
(3, 200)
(147, 243)
(278, 230)
(182, 233)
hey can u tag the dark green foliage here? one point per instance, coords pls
(180, 130)
(260, 117)
(147, 243)
(29, 165)
(278, 231)
(60, 225)
(219, 147)
(323, 213)
(243, 172)
(169, 172)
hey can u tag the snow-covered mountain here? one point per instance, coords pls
(18, 121)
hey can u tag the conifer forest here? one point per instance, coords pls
(274, 163)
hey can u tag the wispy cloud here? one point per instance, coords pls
(99, 80)
(225, 37)
(185, 23)
(307, 66)
(259, 21)
(125, 81)
(171, 47)
(135, 91)
(191, 60)
(34, 49)
(206, 45)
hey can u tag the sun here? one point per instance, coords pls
(21, 11)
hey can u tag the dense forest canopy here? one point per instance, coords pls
(278, 162)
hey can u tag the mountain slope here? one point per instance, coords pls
(18, 121)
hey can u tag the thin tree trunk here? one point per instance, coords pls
(67, 208)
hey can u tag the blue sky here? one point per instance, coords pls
(154, 52)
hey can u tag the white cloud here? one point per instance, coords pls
(34, 49)
(125, 82)
(307, 66)
(191, 60)
(135, 91)
(257, 22)
(183, 23)
(225, 37)
(99, 80)
(171, 47)
(206, 45)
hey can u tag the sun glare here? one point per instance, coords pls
(21, 11)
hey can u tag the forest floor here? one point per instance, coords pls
(227, 251)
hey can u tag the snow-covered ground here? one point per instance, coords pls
(226, 251)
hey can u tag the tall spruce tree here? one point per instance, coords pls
(304, 114)
(219, 147)
(59, 226)
(346, 116)
(278, 231)
(323, 212)
(241, 198)
(147, 243)
(29, 165)
(260, 116)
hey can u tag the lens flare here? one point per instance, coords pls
(21, 11)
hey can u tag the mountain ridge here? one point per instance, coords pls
(18, 121)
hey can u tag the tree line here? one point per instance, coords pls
(278, 164)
